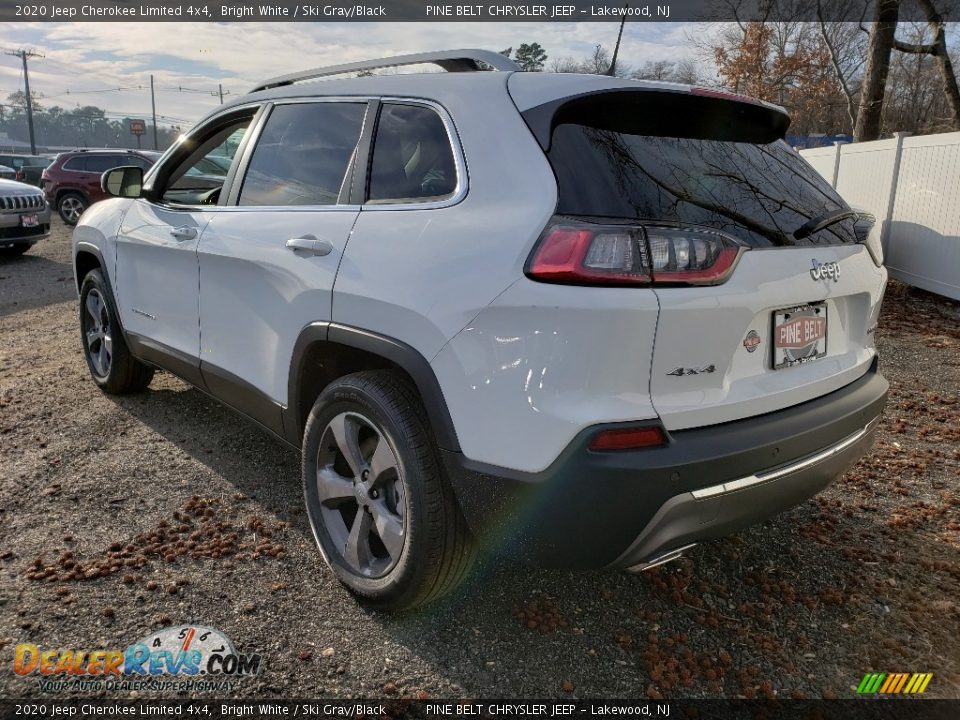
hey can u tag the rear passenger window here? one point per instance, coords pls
(102, 163)
(412, 157)
(78, 163)
(139, 162)
(303, 154)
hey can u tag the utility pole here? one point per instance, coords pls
(616, 48)
(219, 91)
(23, 55)
(153, 111)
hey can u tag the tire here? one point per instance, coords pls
(111, 365)
(71, 206)
(412, 543)
(14, 250)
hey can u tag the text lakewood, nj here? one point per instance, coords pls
(171, 9)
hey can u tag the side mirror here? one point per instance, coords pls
(123, 181)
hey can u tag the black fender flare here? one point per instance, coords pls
(404, 356)
(85, 247)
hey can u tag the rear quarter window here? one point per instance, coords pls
(412, 157)
(78, 164)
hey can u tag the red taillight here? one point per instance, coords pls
(691, 257)
(580, 253)
(628, 438)
(599, 255)
(20, 174)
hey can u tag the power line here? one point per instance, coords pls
(92, 92)
(107, 114)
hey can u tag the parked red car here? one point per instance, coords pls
(72, 181)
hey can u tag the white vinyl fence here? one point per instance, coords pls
(912, 186)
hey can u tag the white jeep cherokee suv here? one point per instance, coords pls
(595, 319)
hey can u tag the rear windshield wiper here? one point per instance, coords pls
(823, 221)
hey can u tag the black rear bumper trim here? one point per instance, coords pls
(587, 509)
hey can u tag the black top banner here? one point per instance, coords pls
(443, 11)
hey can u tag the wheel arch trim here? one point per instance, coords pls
(89, 249)
(397, 352)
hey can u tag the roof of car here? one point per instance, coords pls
(465, 81)
(110, 151)
(528, 89)
(427, 84)
(446, 86)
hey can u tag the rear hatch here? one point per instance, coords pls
(794, 318)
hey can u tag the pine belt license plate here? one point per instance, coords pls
(29, 221)
(799, 335)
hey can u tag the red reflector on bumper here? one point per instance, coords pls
(628, 438)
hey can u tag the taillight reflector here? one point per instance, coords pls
(628, 438)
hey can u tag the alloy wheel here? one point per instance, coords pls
(97, 333)
(71, 208)
(361, 492)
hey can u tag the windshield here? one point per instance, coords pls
(757, 192)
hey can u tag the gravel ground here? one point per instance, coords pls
(866, 577)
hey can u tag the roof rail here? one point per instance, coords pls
(449, 60)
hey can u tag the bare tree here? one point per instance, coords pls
(883, 41)
(597, 63)
(686, 71)
(938, 50)
(787, 63)
(846, 48)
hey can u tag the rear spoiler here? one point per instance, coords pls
(688, 112)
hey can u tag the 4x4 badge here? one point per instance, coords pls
(681, 371)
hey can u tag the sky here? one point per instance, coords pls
(85, 63)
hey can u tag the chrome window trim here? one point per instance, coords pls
(460, 190)
(64, 167)
(148, 176)
(253, 131)
(254, 140)
(459, 160)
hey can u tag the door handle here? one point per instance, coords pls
(184, 233)
(310, 245)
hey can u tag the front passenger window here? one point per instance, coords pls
(303, 154)
(200, 178)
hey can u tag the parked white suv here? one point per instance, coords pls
(592, 319)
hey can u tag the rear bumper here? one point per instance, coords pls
(591, 510)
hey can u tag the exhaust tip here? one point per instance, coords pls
(669, 556)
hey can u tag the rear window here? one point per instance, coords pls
(623, 165)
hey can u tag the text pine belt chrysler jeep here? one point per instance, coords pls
(588, 320)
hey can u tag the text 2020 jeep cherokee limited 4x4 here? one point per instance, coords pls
(597, 319)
